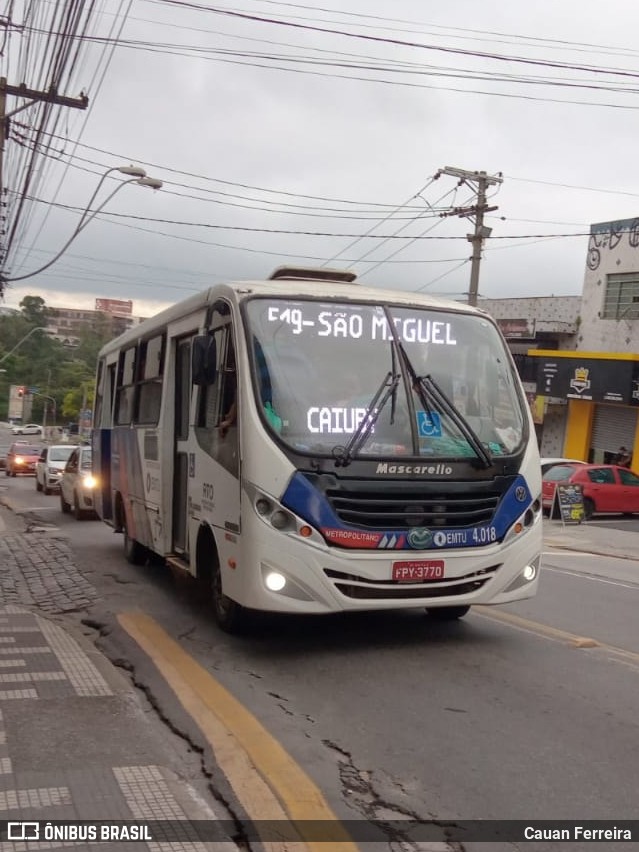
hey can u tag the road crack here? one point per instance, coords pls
(360, 794)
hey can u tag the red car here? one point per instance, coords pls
(22, 458)
(606, 487)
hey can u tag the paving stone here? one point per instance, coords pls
(38, 569)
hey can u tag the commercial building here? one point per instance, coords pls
(579, 355)
(545, 323)
(600, 380)
(67, 324)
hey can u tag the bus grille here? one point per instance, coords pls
(362, 588)
(401, 510)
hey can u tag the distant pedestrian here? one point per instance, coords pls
(623, 457)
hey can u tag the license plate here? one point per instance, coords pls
(418, 570)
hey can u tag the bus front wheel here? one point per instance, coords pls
(447, 613)
(229, 615)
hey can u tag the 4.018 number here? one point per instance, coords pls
(484, 535)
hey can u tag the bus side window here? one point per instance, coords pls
(215, 400)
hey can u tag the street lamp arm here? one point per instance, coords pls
(20, 342)
(140, 178)
(133, 171)
(86, 219)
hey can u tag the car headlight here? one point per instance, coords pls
(89, 481)
(19, 460)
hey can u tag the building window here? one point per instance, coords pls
(622, 296)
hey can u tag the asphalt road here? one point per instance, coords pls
(526, 712)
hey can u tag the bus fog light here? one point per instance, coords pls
(530, 572)
(275, 581)
(279, 520)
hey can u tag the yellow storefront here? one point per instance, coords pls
(602, 392)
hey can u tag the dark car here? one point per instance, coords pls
(606, 487)
(22, 458)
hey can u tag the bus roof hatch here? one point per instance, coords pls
(312, 274)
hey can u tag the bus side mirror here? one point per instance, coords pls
(204, 360)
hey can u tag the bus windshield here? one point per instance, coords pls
(319, 368)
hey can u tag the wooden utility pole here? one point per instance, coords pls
(32, 96)
(481, 232)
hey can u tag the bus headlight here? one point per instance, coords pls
(525, 521)
(280, 520)
(278, 517)
(263, 506)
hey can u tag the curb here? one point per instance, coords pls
(574, 549)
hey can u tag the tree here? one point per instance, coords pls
(34, 310)
(75, 399)
(67, 375)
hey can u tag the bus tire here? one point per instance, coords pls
(229, 615)
(134, 552)
(447, 613)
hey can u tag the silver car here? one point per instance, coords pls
(50, 465)
(77, 484)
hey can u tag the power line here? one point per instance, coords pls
(293, 231)
(480, 54)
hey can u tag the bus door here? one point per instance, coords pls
(180, 446)
(214, 476)
(101, 440)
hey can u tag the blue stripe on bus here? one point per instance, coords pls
(303, 498)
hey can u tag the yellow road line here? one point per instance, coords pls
(280, 789)
(555, 633)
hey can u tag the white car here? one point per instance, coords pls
(77, 484)
(546, 464)
(27, 429)
(50, 465)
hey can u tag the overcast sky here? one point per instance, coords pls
(295, 132)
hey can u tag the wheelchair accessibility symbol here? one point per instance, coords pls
(429, 424)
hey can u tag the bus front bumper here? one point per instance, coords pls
(285, 574)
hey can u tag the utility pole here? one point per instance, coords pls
(32, 95)
(480, 181)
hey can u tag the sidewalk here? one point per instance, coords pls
(590, 538)
(74, 740)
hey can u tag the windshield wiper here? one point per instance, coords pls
(387, 390)
(429, 388)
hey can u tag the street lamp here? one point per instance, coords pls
(20, 342)
(138, 175)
